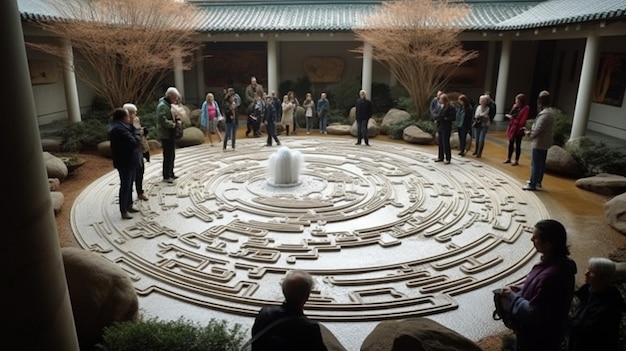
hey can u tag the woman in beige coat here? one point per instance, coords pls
(288, 110)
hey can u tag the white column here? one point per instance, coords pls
(179, 79)
(69, 83)
(585, 86)
(36, 309)
(201, 93)
(491, 61)
(503, 79)
(366, 76)
(272, 65)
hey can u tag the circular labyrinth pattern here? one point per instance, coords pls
(385, 231)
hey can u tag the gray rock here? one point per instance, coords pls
(194, 117)
(393, 116)
(55, 167)
(57, 199)
(416, 334)
(414, 135)
(104, 149)
(101, 293)
(54, 184)
(603, 183)
(51, 145)
(191, 136)
(352, 115)
(560, 161)
(338, 129)
(615, 211)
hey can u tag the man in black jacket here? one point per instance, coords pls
(444, 119)
(364, 112)
(285, 327)
(126, 154)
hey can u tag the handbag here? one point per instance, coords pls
(178, 131)
(502, 310)
(477, 123)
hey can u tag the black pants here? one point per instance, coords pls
(271, 133)
(125, 196)
(517, 144)
(362, 131)
(169, 154)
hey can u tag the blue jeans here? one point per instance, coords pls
(480, 133)
(231, 133)
(537, 166)
(309, 123)
(323, 122)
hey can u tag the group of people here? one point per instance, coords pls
(540, 307)
(475, 122)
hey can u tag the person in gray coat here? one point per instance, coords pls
(541, 135)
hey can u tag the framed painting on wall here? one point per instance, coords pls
(611, 80)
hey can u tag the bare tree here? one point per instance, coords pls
(127, 46)
(417, 40)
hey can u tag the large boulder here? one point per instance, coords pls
(352, 115)
(191, 136)
(338, 129)
(615, 211)
(101, 294)
(414, 135)
(55, 166)
(104, 149)
(372, 128)
(560, 161)
(194, 117)
(603, 183)
(57, 199)
(393, 116)
(416, 334)
(330, 340)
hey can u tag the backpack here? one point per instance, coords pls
(502, 310)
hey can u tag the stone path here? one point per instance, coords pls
(386, 232)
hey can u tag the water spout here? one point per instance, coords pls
(285, 166)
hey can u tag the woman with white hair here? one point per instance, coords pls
(145, 149)
(595, 323)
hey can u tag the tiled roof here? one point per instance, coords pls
(559, 12)
(340, 15)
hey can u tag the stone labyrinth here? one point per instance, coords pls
(385, 231)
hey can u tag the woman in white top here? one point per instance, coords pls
(288, 110)
(309, 111)
(481, 124)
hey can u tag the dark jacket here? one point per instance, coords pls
(464, 116)
(363, 109)
(165, 121)
(596, 321)
(446, 116)
(125, 146)
(541, 308)
(297, 333)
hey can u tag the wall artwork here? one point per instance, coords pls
(611, 80)
(43, 72)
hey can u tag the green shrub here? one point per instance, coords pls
(180, 335)
(300, 87)
(86, 134)
(562, 128)
(338, 116)
(344, 94)
(405, 103)
(595, 157)
(396, 130)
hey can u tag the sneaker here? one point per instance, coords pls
(538, 184)
(142, 197)
(174, 177)
(447, 162)
(514, 163)
(133, 210)
(438, 159)
(506, 161)
(125, 215)
(528, 187)
(278, 143)
(325, 132)
(357, 143)
(168, 180)
(308, 133)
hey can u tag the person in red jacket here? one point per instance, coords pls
(515, 130)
